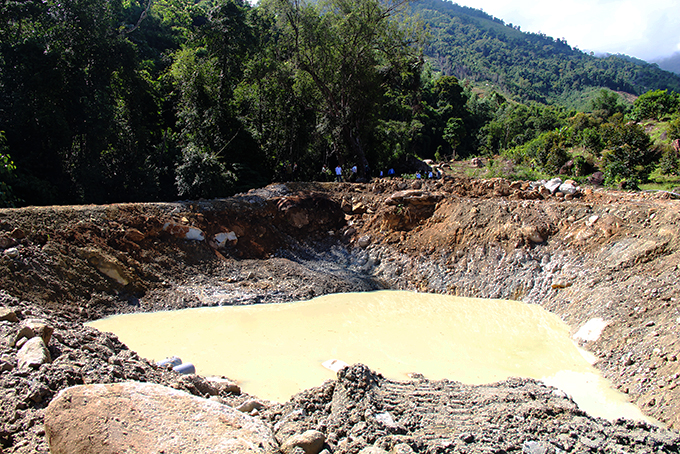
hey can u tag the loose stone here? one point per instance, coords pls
(33, 354)
(8, 315)
(146, 418)
(310, 441)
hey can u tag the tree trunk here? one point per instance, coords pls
(353, 143)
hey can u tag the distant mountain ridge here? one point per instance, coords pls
(671, 63)
(471, 44)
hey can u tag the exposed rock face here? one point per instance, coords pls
(406, 209)
(311, 212)
(147, 418)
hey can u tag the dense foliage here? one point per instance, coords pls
(142, 100)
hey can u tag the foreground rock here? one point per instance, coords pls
(33, 354)
(148, 418)
(310, 442)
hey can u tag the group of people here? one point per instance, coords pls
(339, 176)
(430, 175)
(354, 173)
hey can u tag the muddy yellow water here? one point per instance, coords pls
(276, 350)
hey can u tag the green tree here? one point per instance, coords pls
(670, 158)
(201, 174)
(446, 100)
(206, 73)
(273, 107)
(673, 129)
(629, 156)
(606, 104)
(669, 163)
(655, 104)
(454, 133)
(548, 152)
(345, 51)
(81, 108)
(515, 124)
(450, 97)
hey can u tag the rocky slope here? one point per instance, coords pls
(597, 254)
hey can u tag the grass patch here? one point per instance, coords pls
(655, 130)
(658, 181)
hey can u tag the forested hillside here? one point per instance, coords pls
(470, 44)
(144, 100)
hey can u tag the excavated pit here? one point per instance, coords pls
(607, 256)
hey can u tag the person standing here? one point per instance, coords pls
(338, 173)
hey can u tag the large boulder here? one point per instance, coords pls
(308, 213)
(106, 264)
(414, 197)
(148, 418)
(406, 209)
(553, 185)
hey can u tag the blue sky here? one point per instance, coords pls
(644, 29)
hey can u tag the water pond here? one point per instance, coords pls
(276, 350)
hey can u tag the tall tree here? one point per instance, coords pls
(7, 169)
(206, 73)
(346, 51)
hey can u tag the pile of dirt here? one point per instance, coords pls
(590, 255)
(363, 409)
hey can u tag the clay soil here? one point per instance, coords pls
(599, 254)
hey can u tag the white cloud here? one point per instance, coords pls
(645, 30)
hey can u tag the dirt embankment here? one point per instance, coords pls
(613, 256)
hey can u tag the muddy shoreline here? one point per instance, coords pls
(609, 255)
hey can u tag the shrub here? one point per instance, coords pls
(7, 198)
(591, 140)
(629, 164)
(547, 152)
(670, 161)
(673, 129)
(655, 104)
(582, 166)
